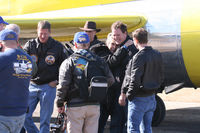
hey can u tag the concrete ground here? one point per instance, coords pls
(182, 112)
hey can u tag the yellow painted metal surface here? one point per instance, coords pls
(190, 39)
(18, 7)
(63, 29)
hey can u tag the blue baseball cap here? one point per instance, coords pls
(81, 38)
(2, 21)
(8, 35)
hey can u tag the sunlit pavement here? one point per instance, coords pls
(182, 115)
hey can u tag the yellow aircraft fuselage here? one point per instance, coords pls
(173, 27)
(172, 24)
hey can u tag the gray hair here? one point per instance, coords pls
(13, 27)
(109, 38)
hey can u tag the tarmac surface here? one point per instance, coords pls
(182, 112)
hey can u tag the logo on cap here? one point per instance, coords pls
(81, 38)
(8, 35)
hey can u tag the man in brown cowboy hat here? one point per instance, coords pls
(91, 30)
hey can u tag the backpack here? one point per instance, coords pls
(90, 77)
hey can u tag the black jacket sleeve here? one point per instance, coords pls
(65, 80)
(127, 78)
(115, 59)
(26, 47)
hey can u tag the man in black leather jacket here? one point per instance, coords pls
(144, 76)
(117, 62)
(83, 113)
(48, 55)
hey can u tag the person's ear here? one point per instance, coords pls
(135, 40)
(75, 44)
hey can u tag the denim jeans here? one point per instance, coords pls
(11, 124)
(45, 95)
(140, 113)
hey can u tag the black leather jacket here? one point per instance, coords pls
(119, 60)
(144, 74)
(48, 58)
(95, 42)
(68, 83)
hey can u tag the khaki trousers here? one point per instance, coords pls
(83, 119)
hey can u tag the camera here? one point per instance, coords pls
(59, 125)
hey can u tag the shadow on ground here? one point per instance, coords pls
(184, 120)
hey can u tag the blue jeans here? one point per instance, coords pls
(45, 95)
(11, 124)
(140, 113)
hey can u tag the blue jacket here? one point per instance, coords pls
(15, 75)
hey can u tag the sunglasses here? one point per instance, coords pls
(87, 31)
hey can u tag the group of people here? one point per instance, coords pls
(44, 70)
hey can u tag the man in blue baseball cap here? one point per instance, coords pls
(2, 23)
(8, 35)
(15, 75)
(83, 112)
(8, 39)
(81, 40)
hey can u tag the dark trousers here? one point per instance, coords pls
(118, 118)
(23, 130)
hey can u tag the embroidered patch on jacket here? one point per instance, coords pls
(50, 59)
(34, 57)
(80, 63)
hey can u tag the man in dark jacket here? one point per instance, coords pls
(117, 62)
(91, 30)
(48, 55)
(83, 112)
(145, 77)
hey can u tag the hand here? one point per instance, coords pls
(122, 99)
(61, 109)
(53, 83)
(128, 43)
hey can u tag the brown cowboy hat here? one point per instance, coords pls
(90, 26)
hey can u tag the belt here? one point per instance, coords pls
(143, 93)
